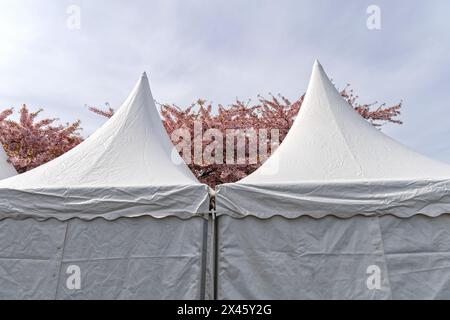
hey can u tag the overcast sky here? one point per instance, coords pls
(220, 50)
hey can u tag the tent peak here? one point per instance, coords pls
(133, 145)
(144, 75)
(318, 70)
(330, 141)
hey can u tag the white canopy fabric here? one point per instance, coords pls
(340, 211)
(128, 258)
(333, 162)
(6, 169)
(333, 258)
(127, 168)
(121, 211)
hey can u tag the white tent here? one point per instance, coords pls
(337, 205)
(6, 169)
(122, 208)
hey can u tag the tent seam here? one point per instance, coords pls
(61, 261)
(343, 136)
(384, 257)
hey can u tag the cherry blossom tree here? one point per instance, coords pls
(30, 142)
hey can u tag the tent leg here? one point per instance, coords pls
(215, 246)
(203, 269)
(210, 273)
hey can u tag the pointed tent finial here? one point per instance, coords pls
(317, 66)
(320, 85)
(144, 80)
(319, 75)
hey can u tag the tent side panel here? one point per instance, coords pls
(418, 256)
(128, 258)
(30, 255)
(302, 258)
(140, 258)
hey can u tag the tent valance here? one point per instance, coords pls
(341, 199)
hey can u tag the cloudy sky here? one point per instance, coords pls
(220, 50)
